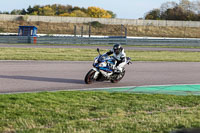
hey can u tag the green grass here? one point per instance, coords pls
(74, 54)
(97, 112)
(110, 45)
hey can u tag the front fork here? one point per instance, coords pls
(96, 73)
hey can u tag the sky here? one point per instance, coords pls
(125, 9)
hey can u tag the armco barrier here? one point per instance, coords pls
(15, 39)
(80, 40)
(164, 42)
(99, 40)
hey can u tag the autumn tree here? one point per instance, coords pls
(113, 15)
(97, 12)
(75, 13)
(47, 11)
(65, 10)
(65, 14)
(36, 10)
(78, 13)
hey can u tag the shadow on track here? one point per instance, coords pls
(45, 79)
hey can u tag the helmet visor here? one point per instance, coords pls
(116, 51)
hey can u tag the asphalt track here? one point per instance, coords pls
(32, 76)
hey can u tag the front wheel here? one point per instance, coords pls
(119, 77)
(89, 78)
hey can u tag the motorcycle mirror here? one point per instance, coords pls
(98, 51)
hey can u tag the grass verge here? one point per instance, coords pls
(111, 45)
(77, 54)
(97, 112)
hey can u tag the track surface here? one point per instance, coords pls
(29, 76)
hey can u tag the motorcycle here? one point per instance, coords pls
(104, 69)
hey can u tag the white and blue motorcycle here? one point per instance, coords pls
(104, 69)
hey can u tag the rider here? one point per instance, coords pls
(119, 55)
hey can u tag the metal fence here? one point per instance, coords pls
(80, 40)
(100, 40)
(164, 42)
(15, 39)
(113, 21)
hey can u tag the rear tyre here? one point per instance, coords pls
(89, 78)
(120, 76)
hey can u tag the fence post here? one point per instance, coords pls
(81, 35)
(122, 29)
(82, 31)
(89, 29)
(29, 39)
(125, 32)
(75, 30)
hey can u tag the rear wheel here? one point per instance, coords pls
(118, 77)
(89, 78)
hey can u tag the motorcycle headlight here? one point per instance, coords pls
(103, 64)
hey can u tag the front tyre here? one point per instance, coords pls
(89, 78)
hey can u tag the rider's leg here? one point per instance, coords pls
(120, 66)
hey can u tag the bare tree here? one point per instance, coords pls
(196, 6)
(167, 5)
(186, 5)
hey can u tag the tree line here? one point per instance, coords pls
(63, 10)
(184, 10)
